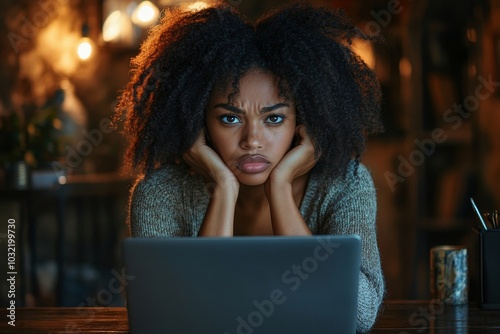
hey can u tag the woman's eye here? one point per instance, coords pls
(229, 119)
(275, 119)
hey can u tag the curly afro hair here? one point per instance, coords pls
(190, 54)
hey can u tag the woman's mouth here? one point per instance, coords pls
(252, 164)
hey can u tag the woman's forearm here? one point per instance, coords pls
(219, 217)
(285, 216)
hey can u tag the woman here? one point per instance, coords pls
(255, 129)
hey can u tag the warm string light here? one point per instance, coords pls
(145, 14)
(112, 27)
(198, 5)
(121, 22)
(85, 47)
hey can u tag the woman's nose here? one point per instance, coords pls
(252, 138)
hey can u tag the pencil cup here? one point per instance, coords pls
(448, 274)
(489, 269)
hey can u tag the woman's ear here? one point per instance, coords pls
(297, 136)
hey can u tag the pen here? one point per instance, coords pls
(490, 219)
(478, 214)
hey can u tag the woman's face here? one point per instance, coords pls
(252, 134)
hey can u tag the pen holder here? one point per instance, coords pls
(489, 269)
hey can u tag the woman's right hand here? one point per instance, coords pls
(222, 185)
(205, 162)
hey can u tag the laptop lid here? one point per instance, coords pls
(243, 285)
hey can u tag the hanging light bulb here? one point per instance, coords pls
(85, 47)
(113, 27)
(196, 6)
(145, 14)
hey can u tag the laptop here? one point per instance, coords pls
(243, 285)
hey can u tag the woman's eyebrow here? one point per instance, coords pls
(272, 108)
(230, 108)
(239, 111)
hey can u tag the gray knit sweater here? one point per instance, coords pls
(171, 203)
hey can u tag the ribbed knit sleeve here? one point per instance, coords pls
(349, 206)
(167, 203)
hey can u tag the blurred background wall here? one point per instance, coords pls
(440, 74)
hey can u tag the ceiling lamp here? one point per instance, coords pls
(85, 47)
(145, 14)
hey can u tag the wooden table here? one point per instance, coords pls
(396, 317)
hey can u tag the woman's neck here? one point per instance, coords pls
(251, 197)
(254, 197)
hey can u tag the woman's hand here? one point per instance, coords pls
(297, 162)
(285, 216)
(222, 185)
(205, 162)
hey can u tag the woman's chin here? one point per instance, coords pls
(252, 179)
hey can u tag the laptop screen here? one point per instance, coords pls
(243, 284)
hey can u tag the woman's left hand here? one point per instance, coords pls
(297, 162)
